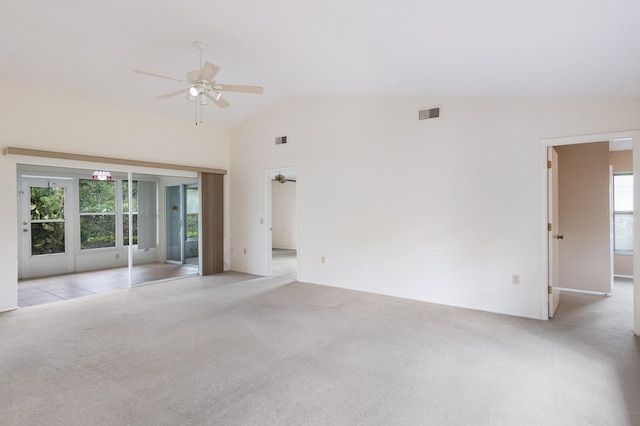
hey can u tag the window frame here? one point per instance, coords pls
(114, 213)
(617, 213)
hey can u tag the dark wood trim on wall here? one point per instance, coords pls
(109, 160)
(212, 191)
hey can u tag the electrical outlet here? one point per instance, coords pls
(322, 259)
(117, 255)
(245, 251)
(515, 280)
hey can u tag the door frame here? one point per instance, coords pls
(25, 265)
(268, 225)
(634, 135)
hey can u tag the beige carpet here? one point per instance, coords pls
(236, 350)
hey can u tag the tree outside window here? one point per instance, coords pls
(193, 209)
(47, 220)
(97, 200)
(125, 212)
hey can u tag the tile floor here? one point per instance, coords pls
(39, 291)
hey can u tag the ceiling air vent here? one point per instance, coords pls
(281, 140)
(428, 113)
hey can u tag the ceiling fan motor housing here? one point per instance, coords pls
(193, 76)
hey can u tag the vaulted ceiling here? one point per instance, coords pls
(574, 48)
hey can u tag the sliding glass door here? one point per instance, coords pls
(175, 224)
(183, 211)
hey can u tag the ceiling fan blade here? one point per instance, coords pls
(168, 95)
(209, 71)
(238, 88)
(156, 75)
(220, 102)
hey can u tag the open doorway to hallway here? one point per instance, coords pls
(594, 244)
(284, 223)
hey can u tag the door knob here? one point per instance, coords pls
(560, 237)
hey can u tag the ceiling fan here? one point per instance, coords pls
(282, 179)
(201, 83)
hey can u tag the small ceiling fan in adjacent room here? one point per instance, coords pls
(282, 179)
(202, 85)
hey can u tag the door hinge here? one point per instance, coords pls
(548, 164)
(549, 227)
(550, 289)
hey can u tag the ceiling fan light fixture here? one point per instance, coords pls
(193, 91)
(190, 97)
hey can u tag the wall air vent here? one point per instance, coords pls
(281, 140)
(428, 113)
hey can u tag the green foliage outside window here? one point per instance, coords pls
(125, 210)
(193, 203)
(97, 231)
(47, 203)
(97, 208)
(47, 238)
(125, 229)
(47, 216)
(125, 196)
(97, 196)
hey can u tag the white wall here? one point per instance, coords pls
(31, 118)
(442, 210)
(284, 216)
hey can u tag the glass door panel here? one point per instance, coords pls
(45, 230)
(174, 216)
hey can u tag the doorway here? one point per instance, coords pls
(554, 232)
(46, 242)
(182, 229)
(282, 214)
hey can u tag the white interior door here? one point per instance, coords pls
(584, 188)
(44, 227)
(554, 232)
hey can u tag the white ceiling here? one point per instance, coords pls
(583, 48)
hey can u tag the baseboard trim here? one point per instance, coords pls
(574, 290)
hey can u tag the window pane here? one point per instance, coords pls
(97, 231)
(125, 229)
(47, 203)
(125, 196)
(623, 193)
(97, 196)
(193, 203)
(47, 238)
(623, 228)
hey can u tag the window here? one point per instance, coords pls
(623, 213)
(47, 220)
(97, 200)
(125, 212)
(192, 211)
